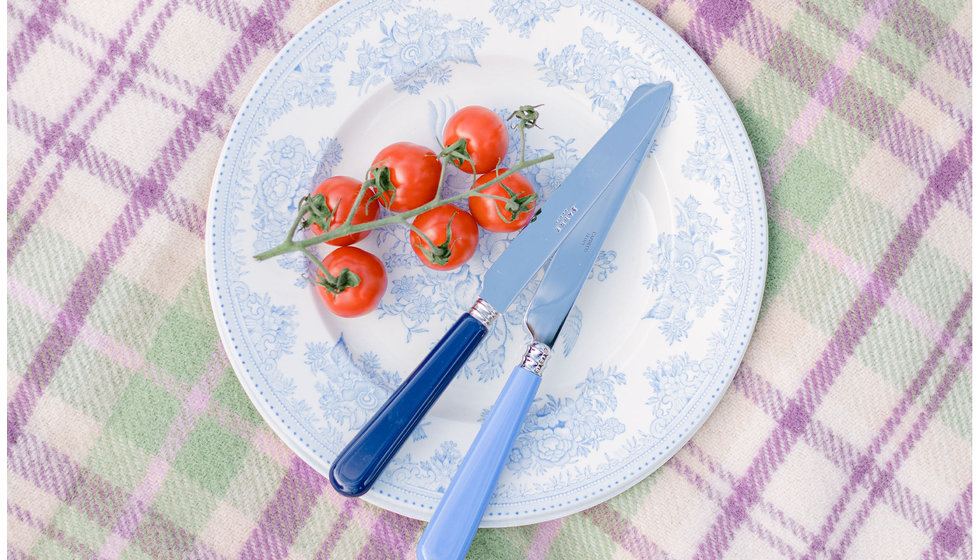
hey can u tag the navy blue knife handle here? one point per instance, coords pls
(361, 462)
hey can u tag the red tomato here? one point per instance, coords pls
(503, 216)
(357, 296)
(414, 173)
(485, 134)
(340, 193)
(463, 237)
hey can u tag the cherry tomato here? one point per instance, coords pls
(463, 237)
(340, 193)
(485, 134)
(503, 216)
(362, 295)
(414, 172)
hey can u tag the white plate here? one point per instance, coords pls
(659, 329)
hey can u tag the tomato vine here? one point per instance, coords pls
(313, 208)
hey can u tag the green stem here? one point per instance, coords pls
(411, 226)
(300, 212)
(319, 264)
(493, 196)
(442, 175)
(357, 202)
(521, 130)
(290, 245)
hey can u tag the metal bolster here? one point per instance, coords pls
(483, 312)
(535, 357)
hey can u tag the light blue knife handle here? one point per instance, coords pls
(454, 523)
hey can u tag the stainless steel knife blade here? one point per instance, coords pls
(572, 261)
(619, 149)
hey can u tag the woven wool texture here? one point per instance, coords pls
(845, 433)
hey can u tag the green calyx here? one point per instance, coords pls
(438, 254)
(346, 278)
(527, 116)
(456, 153)
(515, 205)
(317, 211)
(379, 177)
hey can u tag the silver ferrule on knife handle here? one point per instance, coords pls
(483, 312)
(535, 357)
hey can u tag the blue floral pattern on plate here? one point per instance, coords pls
(522, 16)
(561, 431)
(650, 345)
(687, 271)
(419, 49)
(310, 82)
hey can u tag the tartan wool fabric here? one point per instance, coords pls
(846, 432)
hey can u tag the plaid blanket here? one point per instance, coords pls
(846, 432)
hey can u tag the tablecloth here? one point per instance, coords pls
(845, 433)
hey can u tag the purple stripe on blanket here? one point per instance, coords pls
(885, 477)
(866, 111)
(147, 195)
(757, 34)
(911, 145)
(897, 68)
(954, 530)
(286, 514)
(723, 15)
(862, 472)
(160, 538)
(58, 135)
(918, 25)
(79, 549)
(392, 536)
(714, 21)
(177, 209)
(624, 533)
(855, 103)
(77, 305)
(717, 469)
(763, 532)
(46, 467)
(852, 328)
(90, 494)
(799, 63)
(932, 35)
(338, 528)
(74, 142)
(836, 449)
(954, 52)
(36, 29)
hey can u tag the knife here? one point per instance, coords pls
(455, 521)
(621, 148)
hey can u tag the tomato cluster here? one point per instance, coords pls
(403, 178)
